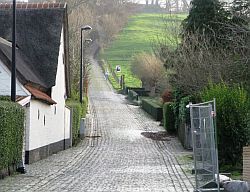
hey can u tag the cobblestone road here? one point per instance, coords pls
(117, 155)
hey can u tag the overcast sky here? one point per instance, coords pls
(143, 1)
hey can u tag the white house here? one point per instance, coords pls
(42, 74)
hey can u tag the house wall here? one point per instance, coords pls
(49, 125)
(5, 82)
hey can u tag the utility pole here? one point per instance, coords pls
(84, 28)
(13, 67)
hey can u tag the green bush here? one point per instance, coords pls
(184, 112)
(152, 107)
(169, 117)
(11, 133)
(5, 98)
(79, 111)
(177, 96)
(232, 106)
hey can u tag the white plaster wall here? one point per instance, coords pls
(56, 127)
(40, 130)
(5, 82)
(59, 91)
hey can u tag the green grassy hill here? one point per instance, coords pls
(136, 37)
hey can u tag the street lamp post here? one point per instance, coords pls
(20, 166)
(13, 67)
(84, 28)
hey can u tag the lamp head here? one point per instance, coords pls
(86, 28)
(88, 40)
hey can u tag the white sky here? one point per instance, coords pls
(143, 1)
(1, 1)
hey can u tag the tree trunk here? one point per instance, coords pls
(152, 2)
(152, 91)
(147, 2)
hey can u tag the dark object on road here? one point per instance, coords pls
(21, 168)
(157, 136)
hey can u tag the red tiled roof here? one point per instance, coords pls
(33, 5)
(40, 95)
(19, 98)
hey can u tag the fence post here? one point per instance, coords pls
(122, 82)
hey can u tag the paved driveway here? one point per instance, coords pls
(124, 151)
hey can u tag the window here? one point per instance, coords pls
(38, 114)
(44, 120)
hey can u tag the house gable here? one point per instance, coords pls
(40, 39)
(58, 92)
(5, 85)
(39, 43)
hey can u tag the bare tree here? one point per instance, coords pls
(185, 5)
(194, 65)
(150, 70)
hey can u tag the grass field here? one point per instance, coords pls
(139, 34)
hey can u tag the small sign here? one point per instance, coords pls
(213, 114)
(118, 68)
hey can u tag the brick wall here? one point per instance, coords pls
(246, 163)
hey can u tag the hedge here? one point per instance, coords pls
(232, 107)
(169, 117)
(183, 120)
(153, 109)
(79, 111)
(11, 133)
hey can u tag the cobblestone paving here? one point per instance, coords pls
(114, 157)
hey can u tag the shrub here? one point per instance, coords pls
(79, 111)
(5, 98)
(11, 133)
(150, 70)
(167, 96)
(177, 96)
(183, 120)
(169, 117)
(184, 112)
(232, 110)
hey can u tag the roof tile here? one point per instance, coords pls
(40, 95)
(33, 5)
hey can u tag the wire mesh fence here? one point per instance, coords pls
(204, 145)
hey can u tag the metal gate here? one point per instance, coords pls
(205, 146)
